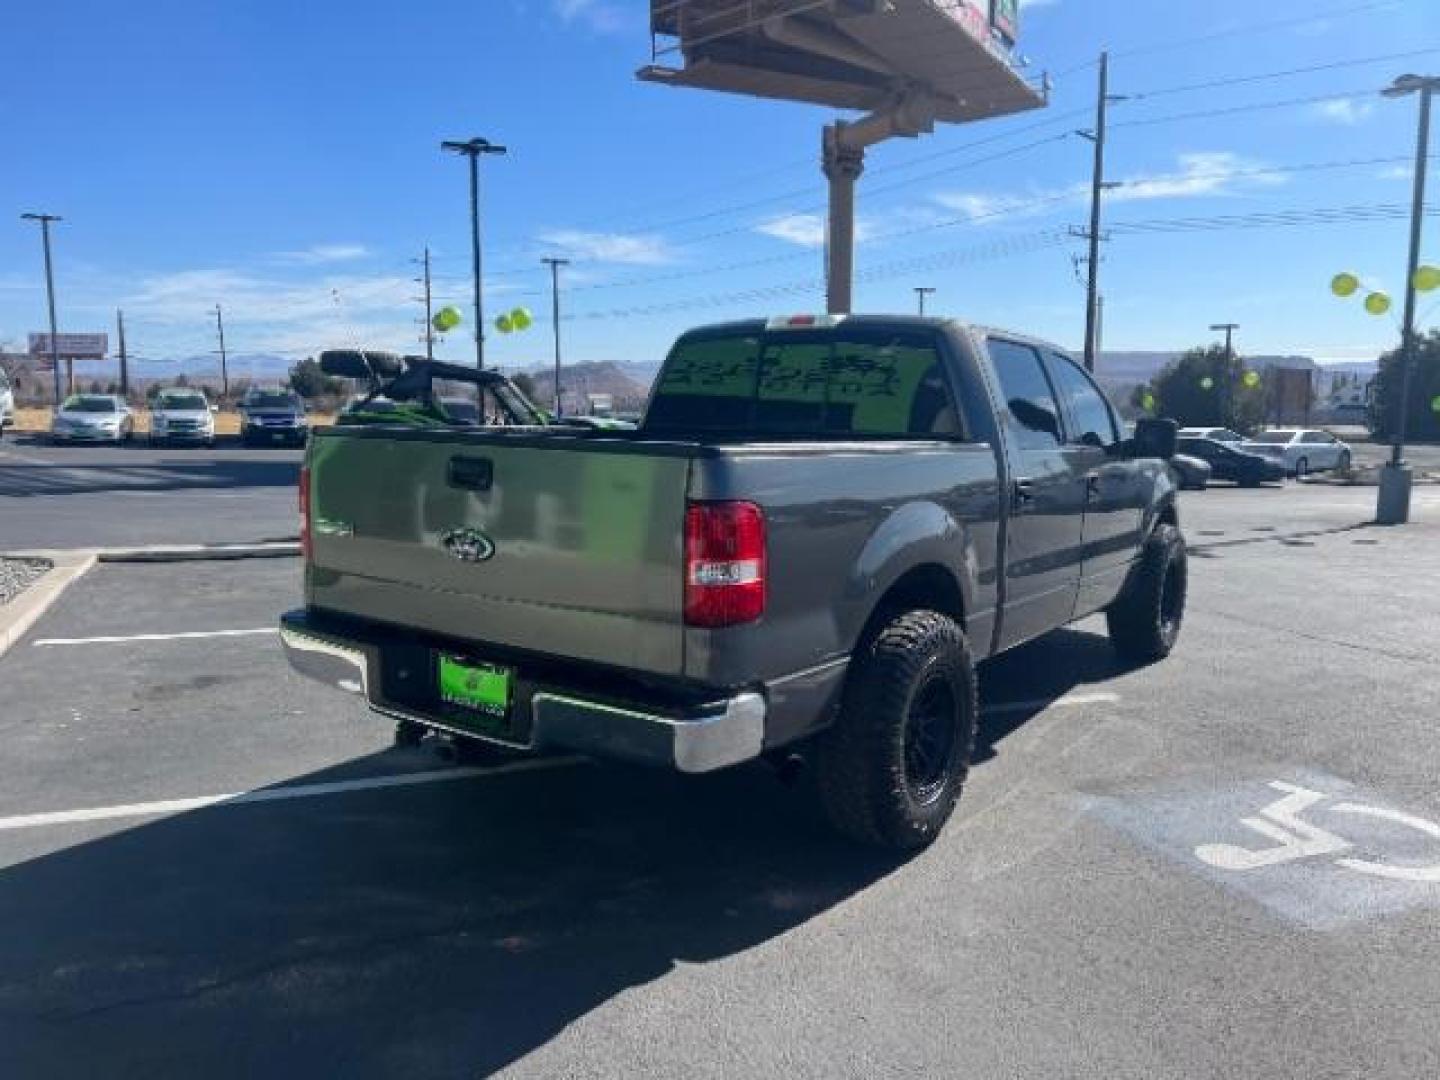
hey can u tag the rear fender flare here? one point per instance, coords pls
(917, 534)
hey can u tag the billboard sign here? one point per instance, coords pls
(1005, 17)
(73, 346)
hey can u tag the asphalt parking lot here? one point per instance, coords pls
(118, 496)
(209, 866)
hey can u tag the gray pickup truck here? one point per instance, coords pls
(821, 525)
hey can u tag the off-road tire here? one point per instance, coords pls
(862, 776)
(1145, 621)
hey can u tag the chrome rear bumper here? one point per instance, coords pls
(697, 739)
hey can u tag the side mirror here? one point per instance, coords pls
(1154, 438)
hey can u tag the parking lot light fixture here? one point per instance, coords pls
(1393, 507)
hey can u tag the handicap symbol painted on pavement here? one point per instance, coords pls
(1313, 848)
(1297, 839)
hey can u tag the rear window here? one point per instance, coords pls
(805, 384)
(1274, 437)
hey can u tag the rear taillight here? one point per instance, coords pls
(724, 563)
(305, 512)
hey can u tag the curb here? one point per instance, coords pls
(200, 553)
(20, 614)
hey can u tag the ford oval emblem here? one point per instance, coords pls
(468, 545)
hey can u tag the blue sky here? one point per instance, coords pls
(282, 159)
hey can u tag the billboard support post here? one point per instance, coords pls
(905, 64)
(843, 166)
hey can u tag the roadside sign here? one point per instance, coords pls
(74, 346)
(1005, 17)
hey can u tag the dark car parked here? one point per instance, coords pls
(268, 417)
(1229, 463)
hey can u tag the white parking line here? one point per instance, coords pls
(12, 455)
(1036, 706)
(275, 794)
(189, 636)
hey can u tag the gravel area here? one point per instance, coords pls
(16, 575)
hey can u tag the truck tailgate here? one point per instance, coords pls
(561, 545)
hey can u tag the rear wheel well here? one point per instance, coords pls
(930, 587)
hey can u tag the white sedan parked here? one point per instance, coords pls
(1217, 434)
(1300, 450)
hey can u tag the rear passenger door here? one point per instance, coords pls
(1115, 489)
(1046, 495)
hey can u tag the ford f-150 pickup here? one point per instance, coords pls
(819, 528)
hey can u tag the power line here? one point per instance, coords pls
(1258, 28)
(1235, 110)
(1240, 80)
(1030, 243)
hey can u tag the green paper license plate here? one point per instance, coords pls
(482, 687)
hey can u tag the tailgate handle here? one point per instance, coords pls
(475, 474)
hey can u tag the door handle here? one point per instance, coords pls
(1022, 493)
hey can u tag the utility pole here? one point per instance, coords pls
(1226, 387)
(472, 149)
(429, 315)
(124, 359)
(555, 265)
(1393, 507)
(45, 220)
(224, 360)
(1229, 328)
(1098, 187)
(922, 291)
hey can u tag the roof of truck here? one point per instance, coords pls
(868, 321)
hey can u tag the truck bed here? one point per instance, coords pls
(577, 539)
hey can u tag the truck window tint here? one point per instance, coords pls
(1094, 422)
(1032, 417)
(797, 384)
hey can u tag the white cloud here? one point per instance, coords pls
(184, 296)
(606, 18)
(320, 254)
(1207, 173)
(1198, 174)
(808, 230)
(982, 206)
(1036, 3)
(1343, 111)
(636, 249)
(1396, 172)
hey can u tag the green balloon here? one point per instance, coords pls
(1344, 284)
(504, 324)
(1148, 401)
(447, 318)
(1207, 383)
(1251, 379)
(1427, 278)
(1435, 403)
(1377, 303)
(521, 318)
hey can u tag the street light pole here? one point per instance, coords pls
(472, 149)
(922, 291)
(555, 265)
(1393, 507)
(45, 220)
